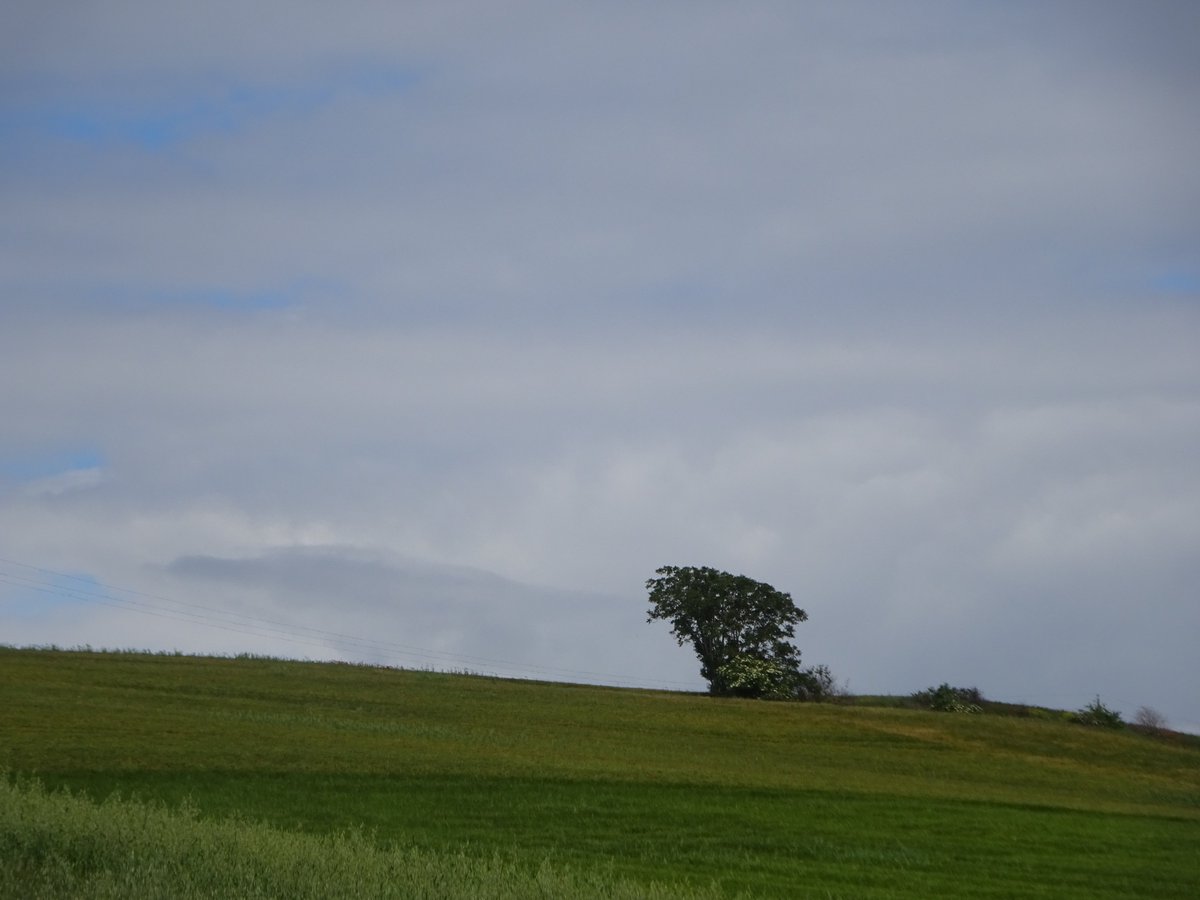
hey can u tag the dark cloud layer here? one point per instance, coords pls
(445, 326)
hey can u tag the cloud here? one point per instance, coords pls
(457, 323)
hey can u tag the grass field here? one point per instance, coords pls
(784, 800)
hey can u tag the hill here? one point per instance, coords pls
(786, 800)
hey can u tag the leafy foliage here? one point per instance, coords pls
(767, 679)
(741, 629)
(817, 683)
(1099, 715)
(945, 698)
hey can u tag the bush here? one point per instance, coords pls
(769, 679)
(1098, 715)
(945, 698)
(1150, 719)
(817, 684)
(763, 679)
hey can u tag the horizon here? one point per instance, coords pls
(558, 678)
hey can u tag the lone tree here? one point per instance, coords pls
(741, 630)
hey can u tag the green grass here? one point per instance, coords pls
(61, 845)
(777, 799)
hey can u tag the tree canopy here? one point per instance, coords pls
(741, 629)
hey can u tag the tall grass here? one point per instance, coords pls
(60, 845)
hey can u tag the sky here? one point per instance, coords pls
(422, 334)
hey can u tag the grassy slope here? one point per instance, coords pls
(783, 799)
(56, 844)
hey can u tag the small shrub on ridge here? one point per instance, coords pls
(1150, 719)
(1098, 715)
(945, 698)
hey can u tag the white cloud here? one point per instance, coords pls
(857, 302)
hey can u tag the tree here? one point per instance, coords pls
(741, 630)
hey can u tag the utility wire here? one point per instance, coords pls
(327, 639)
(255, 626)
(286, 631)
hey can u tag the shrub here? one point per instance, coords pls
(764, 679)
(770, 679)
(1099, 715)
(1150, 719)
(945, 698)
(817, 684)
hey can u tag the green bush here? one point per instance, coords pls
(770, 679)
(816, 684)
(763, 679)
(1098, 715)
(945, 698)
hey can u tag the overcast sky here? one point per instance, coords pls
(424, 333)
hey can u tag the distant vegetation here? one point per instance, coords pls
(950, 699)
(946, 698)
(359, 777)
(1150, 719)
(1096, 713)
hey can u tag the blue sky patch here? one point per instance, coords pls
(31, 594)
(27, 467)
(223, 298)
(1178, 282)
(167, 122)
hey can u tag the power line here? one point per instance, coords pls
(251, 625)
(323, 639)
(273, 629)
